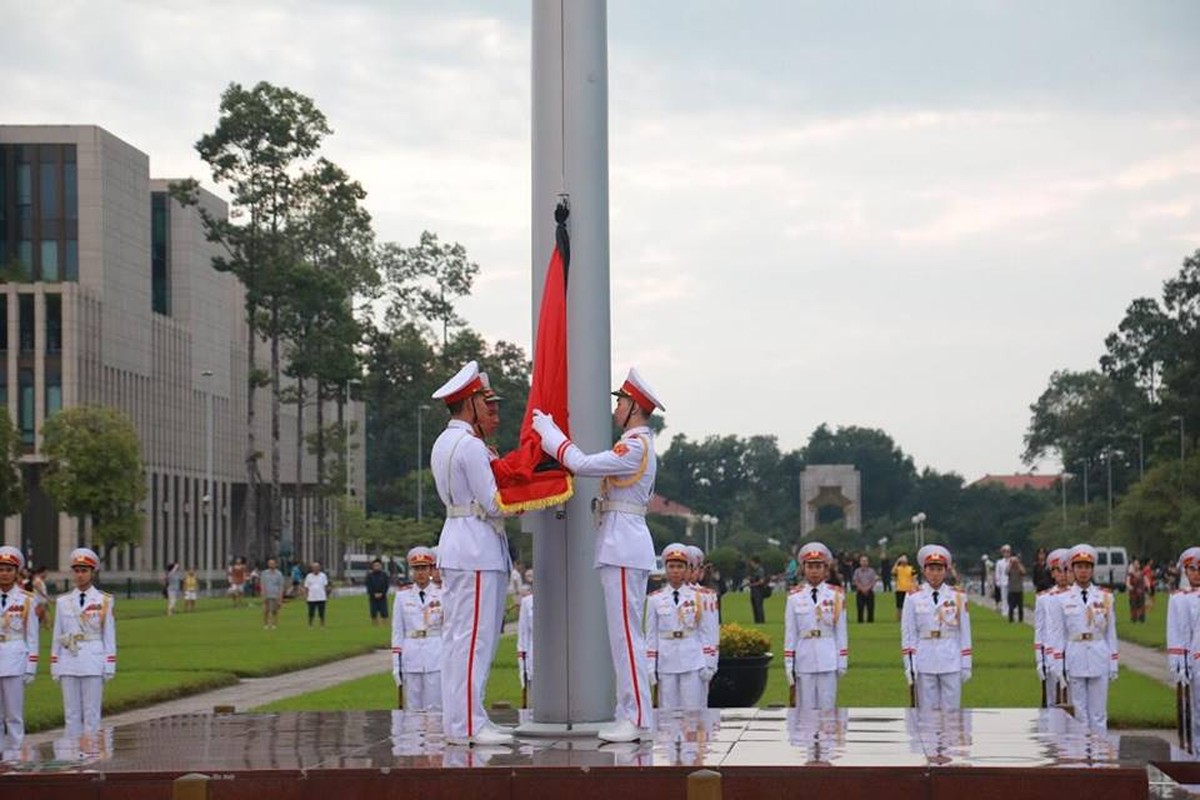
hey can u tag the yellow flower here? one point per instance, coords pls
(739, 642)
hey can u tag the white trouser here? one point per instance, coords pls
(423, 691)
(624, 602)
(472, 605)
(12, 700)
(81, 702)
(1090, 698)
(682, 690)
(816, 690)
(942, 691)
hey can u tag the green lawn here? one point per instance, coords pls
(1003, 675)
(160, 658)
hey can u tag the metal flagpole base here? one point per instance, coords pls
(561, 730)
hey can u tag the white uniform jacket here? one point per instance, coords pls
(525, 638)
(1182, 638)
(1041, 612)
(18, 634)
(710, 626)
(937, 635)
(85, 635)
(629, 469)
(815, 637)
(473, 536)
(417, 629)
(674, 639)
(1083, 635)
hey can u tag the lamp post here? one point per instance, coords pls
(209, 499)
(421, 409)
(1179, 419)
(713, 544)
(918, 522)
(1062, 480)
(1085, 491)
(1108, 462)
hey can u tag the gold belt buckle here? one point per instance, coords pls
(814, 634)
(935, 634)
(1085, 637)
(419, 634)
(676, 634)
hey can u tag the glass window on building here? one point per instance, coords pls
(53, 392)
(24, 191)
(25, 409)
(48, 190)
(160, 220)
(70, 184)
(4, 388)
(24, 257)
(53, 323)
(50, 260)
(70, 260)
(25, 323)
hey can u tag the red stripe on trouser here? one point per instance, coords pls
(471, 659)
(629, 646)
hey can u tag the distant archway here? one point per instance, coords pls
(826, 490)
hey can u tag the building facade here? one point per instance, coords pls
(109, 298)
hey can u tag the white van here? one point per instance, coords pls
(1112, 565)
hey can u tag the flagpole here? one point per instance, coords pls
(574, 687)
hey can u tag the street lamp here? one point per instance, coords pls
(1179, 418)
(713, 544)
(208, 481)
(918, 522)
(421, 409)
(1062, 480)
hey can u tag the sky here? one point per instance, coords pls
(896, 215)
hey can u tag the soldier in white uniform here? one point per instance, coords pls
(473, 559)
(525, 637)
(1183, 633)
(84, 653)
(1056, 562)
(1082, 632)
(417, 636)
(935, 634)
(815, 644)
(710, 623)
(624, 549)
(673, 630)
(18, 646)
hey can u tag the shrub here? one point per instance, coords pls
(739, 642)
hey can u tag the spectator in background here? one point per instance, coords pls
(191, 588)
(905, 578)
(315, 585)
(1148, 573)
(297, 578)
(377, 589)
(1015, 575)
(236, 574)
(271, 581)
(1042, 579)
(864, 589)
(758, 589)
(885, 569)
(171, 584)
(1001, 590)
(1135, 590)
(792, 573)
(41, 596)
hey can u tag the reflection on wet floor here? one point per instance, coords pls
(855, 737)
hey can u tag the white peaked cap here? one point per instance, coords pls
(635, 387)
(675, 552)
(1083, 552)
(815, 551)
(465, 383)
(1058, 557)
(934, 554)
(11, 555)
(695, 555)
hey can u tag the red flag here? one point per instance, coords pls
(527, 478)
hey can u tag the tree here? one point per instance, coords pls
(263, 138)
(94, 472)
(425, 280)
(1160, 515)
(12, 489)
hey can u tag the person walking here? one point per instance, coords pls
(864, 589)
(272, 581)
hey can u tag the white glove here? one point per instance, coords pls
(966, 675)
(791, 677)
(55, 678)
(397, 677)
(706, 674)
(108, 676)
(908, 676)
(1181, 677)
(521, 671)
(841, 671)
(1041, 670)
(1112, 673)
(552, 437)
(654, 677)
(29, 676)
(542, 422)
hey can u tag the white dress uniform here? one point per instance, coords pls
(525, 640)
(18, 651)
(710, 620)
(1082, 632)
(624, 548)
(815, 643)
(417, 646)
(1042, 656)
(935, 638)
(676, 647)
(1183, 634)
(84, 654)
(473, 558)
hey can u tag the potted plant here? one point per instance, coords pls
(742, 667)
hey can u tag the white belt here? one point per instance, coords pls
(935, 635)
(475, 510)
(424, 634)
(1083, 637)
(601, 506)
(815, 633)
(675, 634)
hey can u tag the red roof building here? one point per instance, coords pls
(1041, 483)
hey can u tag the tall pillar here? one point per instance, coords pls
(573, 675)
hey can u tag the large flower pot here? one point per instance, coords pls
(739, 682)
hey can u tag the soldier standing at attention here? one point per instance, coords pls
(474, 561)
(815, 646)
(710, 617)
(84, 653)
(1056, 563)
(676, 648)
(1082, 632)
(935, 634)
(18, 645)
(624, 549)
(417, 635)
(1183, 634)
(525, 636)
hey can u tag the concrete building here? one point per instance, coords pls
(109, 298)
